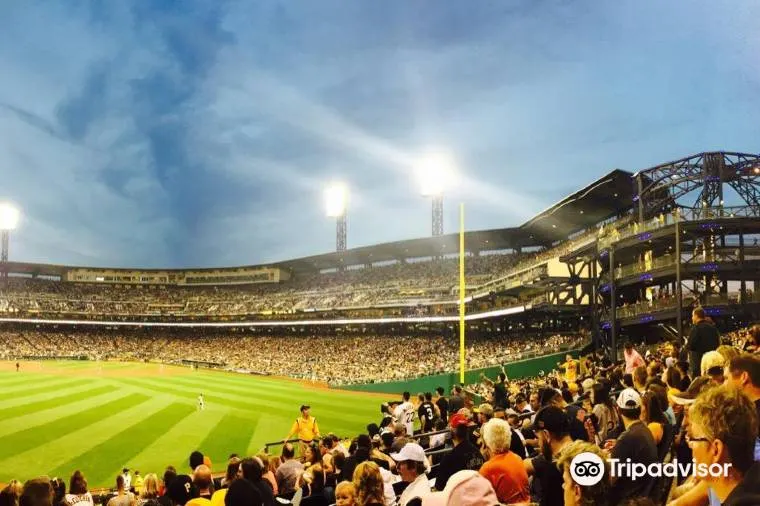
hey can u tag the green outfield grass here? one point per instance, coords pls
(56, 417)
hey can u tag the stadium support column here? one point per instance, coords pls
(613, 308)
(679, 291)
(639, 192)
(742, 277)
(437, 215)
(340, 232)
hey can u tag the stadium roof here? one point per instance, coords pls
(608, 196)
(604, 198)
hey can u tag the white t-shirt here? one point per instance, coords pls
(404, 413)
(78, 499)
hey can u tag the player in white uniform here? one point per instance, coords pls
(404, 413)
(201, 403)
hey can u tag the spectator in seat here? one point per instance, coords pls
(268, 473)
(242, 493)
(503, 468)
(288, 472)
(252, 469)
(456, 401)
(411, 463)
(722, 430)
(640, 379)
(464, 488)
(577, 495)
(635, 443)
(703, 337)
(78, 494)
(123, 496)
(10, 495)
(653, 416)
(345, 494)
(196, 459)
(465, 455)
(603, 411)
(552, 427)
(37, 492)
(149, 494)
(368, 485)
(202, 482)
(743, 372)
(632, 358)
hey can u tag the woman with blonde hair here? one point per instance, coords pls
(149, 490)
(369, 485)
(268, 472)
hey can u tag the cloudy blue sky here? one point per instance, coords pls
(201, 133)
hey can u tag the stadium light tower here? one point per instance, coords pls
(435, 172)
(336, 200)
(8, 220)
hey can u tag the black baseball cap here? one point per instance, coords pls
(553, 419)
(305, 406)
(181, 489)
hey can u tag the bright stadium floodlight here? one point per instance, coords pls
(336, 203)
(435, 174)
(336, 199)
(9, 216)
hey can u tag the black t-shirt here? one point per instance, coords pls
(426, 412)
(500, 396)
(464, 456)
(443, 406)
(703, 337)
(636, 444)
(551, 481)
(516, 446)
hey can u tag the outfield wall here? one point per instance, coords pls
(515, 370)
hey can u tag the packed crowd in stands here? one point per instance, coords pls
(400, 283)
(336, 360)
(697, 401)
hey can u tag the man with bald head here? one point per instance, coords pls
(203, 482)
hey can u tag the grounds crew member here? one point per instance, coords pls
(305, 428)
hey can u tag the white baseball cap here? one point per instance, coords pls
(629, 399)
(410, 451)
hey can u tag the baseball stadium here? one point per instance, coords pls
(371, 354)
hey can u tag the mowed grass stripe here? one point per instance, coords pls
(283, 407)
(48, 385)
(231, 435)
(174, 447)
(33, 381)
(59, 399)
(264, 393)
(103, 461)
(25, 400)
(57, 449)
(23, 440)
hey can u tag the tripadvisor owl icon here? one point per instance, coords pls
(587, 469)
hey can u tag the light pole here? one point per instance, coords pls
(336, 201)
(8, 220)
(435, 172)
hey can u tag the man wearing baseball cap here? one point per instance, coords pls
(465, 455)
(464, 487)
(305, 427)
(635, 443)
(552, 427)
(412, 464)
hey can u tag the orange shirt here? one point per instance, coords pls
(507, 474)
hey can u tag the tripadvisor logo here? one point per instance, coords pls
(587, 469)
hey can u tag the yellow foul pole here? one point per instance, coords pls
(461, 293)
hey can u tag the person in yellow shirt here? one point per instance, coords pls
(305, 428)
(571, 369)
